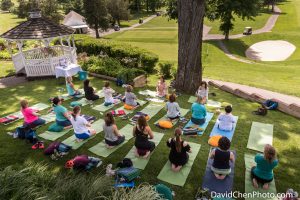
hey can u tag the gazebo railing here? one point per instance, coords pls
(41, 62)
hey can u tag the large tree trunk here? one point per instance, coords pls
(190, 30)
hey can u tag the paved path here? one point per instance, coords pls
(111, 31)
(287, 103)
(12, 81)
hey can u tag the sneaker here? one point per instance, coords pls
(35, 146)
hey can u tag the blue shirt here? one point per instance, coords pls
(59, 113)
(70, 90)
(264, 169)
(198, 111)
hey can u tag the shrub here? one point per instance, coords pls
(4, 55)
(165, 69)
(128, 74)
(128, 56)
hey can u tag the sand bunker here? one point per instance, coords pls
(270, 50)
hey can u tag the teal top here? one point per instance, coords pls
(198, 111)
(164, 191)
(70, 90)
(59, 113)
(264, 169)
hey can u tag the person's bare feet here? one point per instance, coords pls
(266, 186)
(136, 153)
(109, 147)
(79, 140)
(147, 154)
(255, 184)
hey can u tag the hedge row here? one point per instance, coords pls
(128, 56)
(111, 67)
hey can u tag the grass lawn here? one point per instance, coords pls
(239, 24)
(6, 68)
(8, 21)
(134, 18)
(160, 36)
(286, 138)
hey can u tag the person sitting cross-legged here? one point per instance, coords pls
(112, 135)
(81, 126)
(61, 113)
(263, 171)
(198, 111)
(226, 120)
(89, 91)
(179, 151)
(142, 133)
(222, 157)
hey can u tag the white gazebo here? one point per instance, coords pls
(45, 59)
(77, 22)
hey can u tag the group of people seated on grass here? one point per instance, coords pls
(179, 149)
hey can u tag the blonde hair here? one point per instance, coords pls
(199, 99)
(129, 88)
(269, 153)
(24, 103)
(69, 79)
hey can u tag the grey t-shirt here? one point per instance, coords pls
(130, 99)
(109, 133)
(173, 109)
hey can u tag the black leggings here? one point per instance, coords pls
(93, 98)
(258, 179)
(117, 142)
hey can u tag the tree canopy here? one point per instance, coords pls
(118, 9)
(6, 5)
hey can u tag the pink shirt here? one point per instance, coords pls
(161, 88)
(29, 117)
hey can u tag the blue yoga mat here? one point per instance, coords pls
(228, 134)
(211, 183)
(209, 116)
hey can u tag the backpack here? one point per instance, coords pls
(128, 173)
(60, 147)
(26, 133)
(80, 162)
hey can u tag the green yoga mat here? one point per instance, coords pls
(210, 103)
(179, 178)
(131, 111)
(85, 102)
(141, 163)
(71, 141)
(183, 112)
(52, 136)
(103, 108)
(152, 109)
(260, 135)
(249, 163)
(50, 117)
(100, 149)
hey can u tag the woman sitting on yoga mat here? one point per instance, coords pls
(222, 156)
(62, 114)
(179, 151)
(226, 120)
(89, 91)
(130, 98)
(173, 109)
(31, 119)
(70, 87)
(162, 87)
(198, 111)
(203, 91)
(81, 126)
(112, 134)
(142, 133)
(108, 92)
(265, 163)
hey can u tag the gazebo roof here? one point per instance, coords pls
(36, 28)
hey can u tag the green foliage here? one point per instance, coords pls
(75, 5)
(128, 55)
(6, 5)
(165, 69)
(118, 9)
(111, 67)
(224, 11)
(96, 14)
(4, 55)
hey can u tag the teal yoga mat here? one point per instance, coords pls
(260, 135)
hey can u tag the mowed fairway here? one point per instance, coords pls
(160, 37)
(8, 21)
